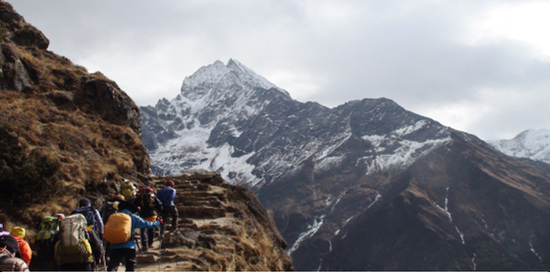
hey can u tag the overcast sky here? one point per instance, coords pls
(478, 66)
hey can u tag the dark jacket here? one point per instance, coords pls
(148, 210)
(167, 196)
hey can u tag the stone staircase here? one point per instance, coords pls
(201, 205)
(221, 227)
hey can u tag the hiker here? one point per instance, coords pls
(77, 248)
(45, 241)
(128, 190)
(24, 252)
(91, 214)
(149, 205)
(8, 262)
(125, 245)
(110, 207)
(169, 209)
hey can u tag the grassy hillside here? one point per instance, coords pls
(64, 133)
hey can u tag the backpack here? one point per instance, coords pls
(89, 213)
(146, 201)
(49, 226)
(128, 191)
(118, 228)
(146, 198)
(73, 245)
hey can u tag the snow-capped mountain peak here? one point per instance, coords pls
(221, 76)
(252, 77)
(207, 74)
(227, 115)
(533, 144)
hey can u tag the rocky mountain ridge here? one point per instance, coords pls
(66, 134)
(327, 174)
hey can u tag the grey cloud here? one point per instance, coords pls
(411, 52)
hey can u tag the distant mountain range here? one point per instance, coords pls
(532, 146)
(366, 185)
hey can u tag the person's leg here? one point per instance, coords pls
(115, 257)
(130, 257)
(144, 239)
(150, 236)
(174, 211)
(88, 266)
(164, 215)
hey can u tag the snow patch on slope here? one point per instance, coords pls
(192, 144)
(310, 232)
(406, 153)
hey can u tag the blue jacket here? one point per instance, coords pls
(137, 222)
(167, 196)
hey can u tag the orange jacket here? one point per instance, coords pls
(24, 250)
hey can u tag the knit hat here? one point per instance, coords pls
(18, 231)
(10, 242)
(170, 183)
(84, 202)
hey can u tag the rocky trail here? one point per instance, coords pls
(214, 233)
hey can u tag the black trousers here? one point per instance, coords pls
(116, 255)
(169, 212)
(147, 237)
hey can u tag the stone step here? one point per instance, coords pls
(198, 202)
(202, 212)
(201, 194)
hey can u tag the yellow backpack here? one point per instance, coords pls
(118, 228)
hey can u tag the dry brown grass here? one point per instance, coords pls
(55, 147)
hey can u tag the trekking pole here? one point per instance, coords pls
(161, 236)
(105, 245)
(104, 262)
(137, 244)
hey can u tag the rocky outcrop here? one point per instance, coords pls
(66, 133)
(222, 227)
(26, 66)
(20, 34)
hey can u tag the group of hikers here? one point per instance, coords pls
(89, 238)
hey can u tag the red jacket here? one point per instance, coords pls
(24, 250)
